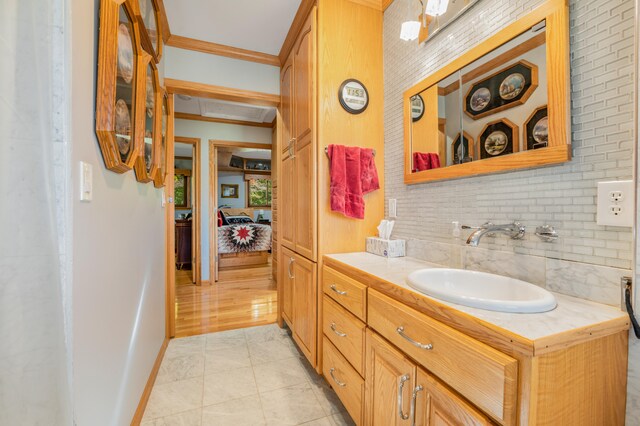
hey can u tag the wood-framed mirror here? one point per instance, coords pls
(118, 91)
(149, 13)
(501, 106)
(165, 114)
(149, 121)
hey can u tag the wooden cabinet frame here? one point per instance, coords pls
(146, 42)
(166, 113)
(556, 14)
(107, 82)
(142, 173)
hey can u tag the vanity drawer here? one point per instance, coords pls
(487, 377)
(345, 331)
(346, 291)
(344, 380)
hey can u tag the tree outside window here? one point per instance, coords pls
(259, 192)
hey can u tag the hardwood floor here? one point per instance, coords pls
(243, 297)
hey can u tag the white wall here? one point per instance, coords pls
(118, 259)
(217, 131)
(200, 67)
(233, 178)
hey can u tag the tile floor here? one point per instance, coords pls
(254, 376)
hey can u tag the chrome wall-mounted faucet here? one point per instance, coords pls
(515, 230)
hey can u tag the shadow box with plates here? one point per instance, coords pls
(131, 106)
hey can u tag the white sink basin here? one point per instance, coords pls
(482, 290)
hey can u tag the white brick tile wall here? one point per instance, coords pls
(601, 34)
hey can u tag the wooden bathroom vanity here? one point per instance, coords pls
(397, 357)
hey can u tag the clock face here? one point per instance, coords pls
(353, 96)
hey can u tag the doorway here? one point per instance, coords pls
(243, 292)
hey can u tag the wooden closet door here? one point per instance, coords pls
(286, 189)
(286, 263)
(305, 306)
(390, 380)
(437, 405)
(304, 59)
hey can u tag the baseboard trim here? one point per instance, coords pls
(144, 399)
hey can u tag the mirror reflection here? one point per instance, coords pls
(495, 106)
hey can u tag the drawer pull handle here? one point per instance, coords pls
(401, 397)
(338, 382)
(428, 346)
(413, 404)
(335, 289)
(339, 333)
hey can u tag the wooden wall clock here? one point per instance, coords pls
(119, 94)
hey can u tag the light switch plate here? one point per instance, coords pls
(615, 203)
(392, 208)
(86, 181)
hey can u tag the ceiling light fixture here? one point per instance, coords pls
(184, 97)
(436, 7)
(410, 29)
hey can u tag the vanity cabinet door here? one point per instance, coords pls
(390, 379)
(305, 304)
(436, 405)
(286, 263)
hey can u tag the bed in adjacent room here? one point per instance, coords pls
(241, 241)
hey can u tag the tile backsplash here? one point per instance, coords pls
(563, 196)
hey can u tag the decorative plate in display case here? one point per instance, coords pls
(151, 27)
(149, 122)
(118, 91)
(161, 171)
(498, 138)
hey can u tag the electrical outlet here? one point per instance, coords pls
(615, 203)
(616, 196)
(392, 208)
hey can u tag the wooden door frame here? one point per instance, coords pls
(196, 202)
(170, 236)
(214, 144)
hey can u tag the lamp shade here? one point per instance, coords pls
(410, 30)
(436, 7)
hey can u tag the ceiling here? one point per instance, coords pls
(224, 109)
(182, 150)
(261, 26)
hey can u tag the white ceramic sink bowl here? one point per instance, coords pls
(482, 290)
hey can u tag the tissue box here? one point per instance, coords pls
(386, 248)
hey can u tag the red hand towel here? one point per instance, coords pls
(352, 173)
(425, 161)
(369, 171)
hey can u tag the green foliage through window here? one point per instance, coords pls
(181, 194)
(260, 193)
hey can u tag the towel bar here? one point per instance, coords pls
(326, 151)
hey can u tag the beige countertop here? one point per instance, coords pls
(571, 319)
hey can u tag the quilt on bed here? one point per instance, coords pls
(245, 237)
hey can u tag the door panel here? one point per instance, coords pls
(303, 67)
(437, 405)
(286, 194)
(305, 306)
(305, 199)
(286, 263)
(388, 385)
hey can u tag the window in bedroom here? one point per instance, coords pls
(259, 192)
